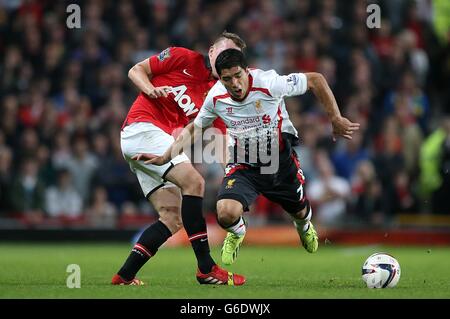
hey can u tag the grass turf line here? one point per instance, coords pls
(39, 271)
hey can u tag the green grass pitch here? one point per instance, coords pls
(39, 271)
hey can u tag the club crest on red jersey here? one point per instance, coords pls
(164, 54)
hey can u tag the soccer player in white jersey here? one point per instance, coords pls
(251, 103)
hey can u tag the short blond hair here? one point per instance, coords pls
(233, 37)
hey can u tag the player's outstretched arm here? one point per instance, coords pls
(341, 125)
(140, 74)
(187, 137)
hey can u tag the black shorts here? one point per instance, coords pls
(244, 183)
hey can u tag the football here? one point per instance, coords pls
(381, 270)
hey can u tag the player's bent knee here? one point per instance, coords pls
(171, 217)
(228, 211)
(199, 185)
(186, 177)
(195, 185)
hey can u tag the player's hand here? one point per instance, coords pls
(343, 127)
(159, 91)
(151, 159)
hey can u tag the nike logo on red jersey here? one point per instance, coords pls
(186, 72)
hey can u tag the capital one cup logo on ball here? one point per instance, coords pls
(381, 270)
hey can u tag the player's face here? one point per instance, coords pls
(216, 49)
(235, 81)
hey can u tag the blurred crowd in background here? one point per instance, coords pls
(65, 93)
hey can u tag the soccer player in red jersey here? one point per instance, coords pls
(173, 86)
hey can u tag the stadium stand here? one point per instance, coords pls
(64, 94)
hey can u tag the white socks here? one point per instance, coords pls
(303, 223)
(238, 228)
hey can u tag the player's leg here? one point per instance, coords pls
(235, 195)
(291, 196)
(302, 218)
(229, 216)
(192, 187)
(167, 202)
(301, 213)
(305, 228)
(147, 138)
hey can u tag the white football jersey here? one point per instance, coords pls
(263, 106)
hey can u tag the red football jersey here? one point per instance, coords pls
(185, 71)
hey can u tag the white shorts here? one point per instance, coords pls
(142, 137)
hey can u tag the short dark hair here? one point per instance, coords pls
(233, 37)
(230, 58)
